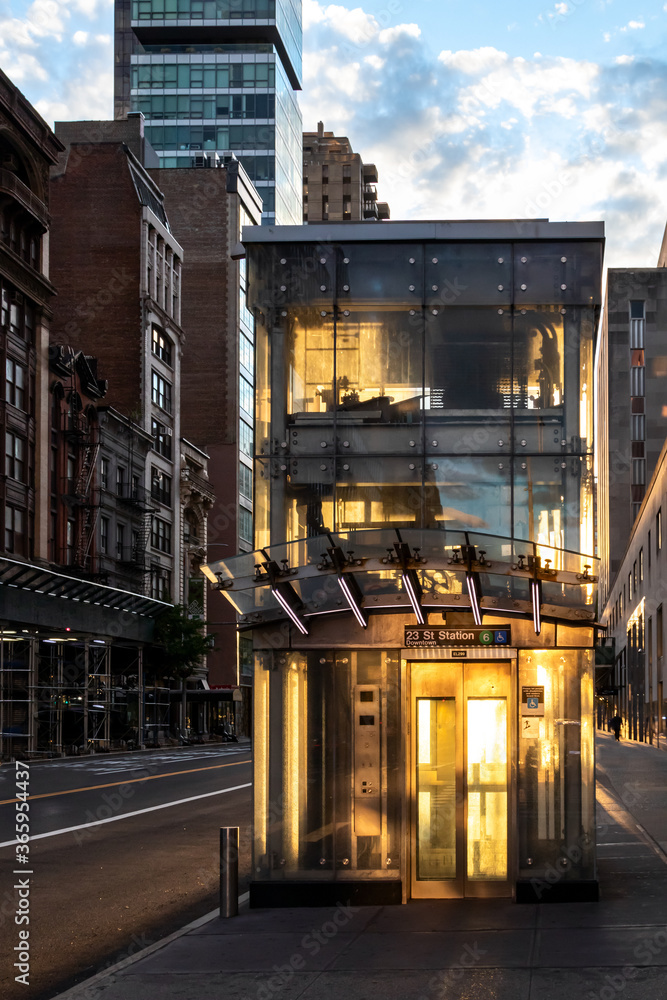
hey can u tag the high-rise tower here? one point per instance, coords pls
(213, 77)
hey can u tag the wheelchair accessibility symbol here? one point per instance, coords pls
(533, 703)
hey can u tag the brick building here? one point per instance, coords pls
(27, 150)
(337, 185)
(118, 270)
(207, 208)
(71, 669)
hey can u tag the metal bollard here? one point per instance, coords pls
(229, 871)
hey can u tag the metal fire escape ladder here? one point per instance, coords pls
(90, 512)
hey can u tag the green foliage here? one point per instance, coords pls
(182, 642)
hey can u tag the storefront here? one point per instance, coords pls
(421, 599)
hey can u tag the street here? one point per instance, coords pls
(139, 857)
(101, 893)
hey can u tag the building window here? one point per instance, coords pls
(160, 486)
(245, 525)
(246, 353)
(161, 438)
(120, 541)
(161, 534)
(658, 633)
(246, 395)
(245, 481)
(648, 550)
(14, 530)
(160, 583)
(162, 346)
(638, 426)
(641, 565)
(15, 384)
(120, 481)
(245, 656)
(104, 535)
(14, 457)
(161, 392)
(71, 533)
(638, 471)
(637, 381)
(245, 438)
(658, 531)
(637, 321)
(104, 473)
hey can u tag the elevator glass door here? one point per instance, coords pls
(460, 777)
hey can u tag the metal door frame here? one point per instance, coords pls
(459, 887)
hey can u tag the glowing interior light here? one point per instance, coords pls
(535, 594)
(349, 596)
(474, 598)
(414, 600)
(290, 612)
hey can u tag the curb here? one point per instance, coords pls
(78, 991)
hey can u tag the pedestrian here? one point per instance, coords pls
(616, 723)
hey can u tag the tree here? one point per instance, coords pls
(182, 642)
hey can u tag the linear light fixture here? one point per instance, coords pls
(536, 595)
(475, 596)
(282, 601)
(414, 591)
(354, 600)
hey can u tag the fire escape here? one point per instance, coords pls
(133, 557)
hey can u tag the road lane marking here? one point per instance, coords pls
(137, 812)
(132, 781)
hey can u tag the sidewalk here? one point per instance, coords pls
(454, 949)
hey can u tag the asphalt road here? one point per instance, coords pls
(138, 858)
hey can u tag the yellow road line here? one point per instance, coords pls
(131, 781)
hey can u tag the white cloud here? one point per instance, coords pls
(634, 26)
(389, 35)
(624, 60)
(561, 8)
(80, 37)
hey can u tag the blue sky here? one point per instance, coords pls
(470, 109)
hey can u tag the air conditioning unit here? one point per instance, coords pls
(17, 298)
(169, 432)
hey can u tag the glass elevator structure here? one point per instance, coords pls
(421, 597)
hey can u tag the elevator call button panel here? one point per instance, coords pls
(367, 770)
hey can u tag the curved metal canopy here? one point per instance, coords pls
(418, 571)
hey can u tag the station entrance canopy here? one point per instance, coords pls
(419, 571)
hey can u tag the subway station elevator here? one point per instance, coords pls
(421, 598)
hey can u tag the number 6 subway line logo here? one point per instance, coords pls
(493, 637)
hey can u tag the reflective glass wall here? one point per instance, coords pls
(327, 749)
(426, 384)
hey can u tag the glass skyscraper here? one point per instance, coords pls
(214, 77)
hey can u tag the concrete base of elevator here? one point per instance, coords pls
(359, 893)
(267, 895)
(539, 890)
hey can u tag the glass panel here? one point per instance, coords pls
(538, 358)
(379, 366)
(467, 274)
(468, 360)
(487, 788)
(436, 788)
(556, 769)
(468, 492)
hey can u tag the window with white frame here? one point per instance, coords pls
(161, 391)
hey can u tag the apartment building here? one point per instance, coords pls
(337, 185)
(214, 78)
(118, 269)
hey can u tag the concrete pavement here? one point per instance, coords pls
(459, 950)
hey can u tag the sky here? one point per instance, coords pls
(470, 109)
